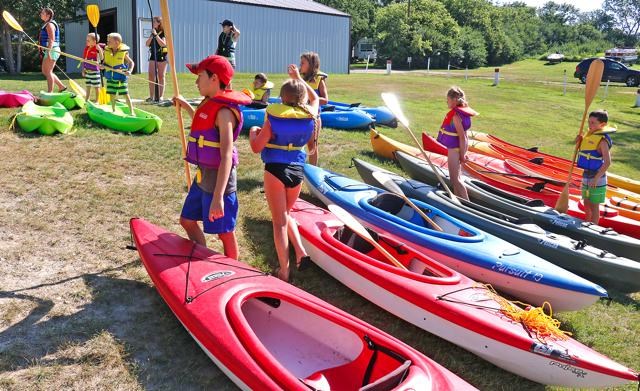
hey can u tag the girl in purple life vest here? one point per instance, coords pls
(453, 135)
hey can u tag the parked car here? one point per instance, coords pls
(613, 71)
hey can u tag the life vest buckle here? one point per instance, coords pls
(201, 141)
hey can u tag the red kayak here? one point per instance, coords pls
(265, 334)
(15, 99)
(444, 302)
(536, 189)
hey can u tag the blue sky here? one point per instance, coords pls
(584, 5)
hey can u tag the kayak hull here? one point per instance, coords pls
(474, 253)
(46, 120)
(68, 99)
(421, 299)
(599, 266)
(241, 316)
(122, 120)
(15, 99)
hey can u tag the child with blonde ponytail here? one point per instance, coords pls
(281, 141)
(453, 135)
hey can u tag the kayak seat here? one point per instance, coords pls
(395, 205)
(391, 380)
(348, 237)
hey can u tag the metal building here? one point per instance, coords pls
(273, 32)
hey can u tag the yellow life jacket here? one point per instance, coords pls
(116, 61)
(315, 83)
(589, 158)
(258, 93)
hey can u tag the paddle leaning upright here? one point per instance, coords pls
(594, 76)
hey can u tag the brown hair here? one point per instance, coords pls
(47, 11)
(314, 65)
(262, 77)
(600, 115)
(159, 20)
(456, 93)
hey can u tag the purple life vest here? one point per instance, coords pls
(448, 136)
(203, 146)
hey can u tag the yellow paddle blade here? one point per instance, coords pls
(77, 89)
(594, 77)
(11, 21)
(103, 97)
(93, 14)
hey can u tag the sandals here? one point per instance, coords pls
(62, 90)
(304, 264)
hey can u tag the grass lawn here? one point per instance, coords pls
(78, 311)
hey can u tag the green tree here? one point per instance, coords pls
(27, 12)
(626, 15)
(474, 48)
(428, 29)
(363, 14)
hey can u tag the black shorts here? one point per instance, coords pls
(291, 175)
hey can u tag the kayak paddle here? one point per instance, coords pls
(93, 14)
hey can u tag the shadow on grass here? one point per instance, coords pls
(247, 184)
(158, 352)
(624, 299)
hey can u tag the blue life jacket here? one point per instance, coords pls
(589, 158)
(44, 36)
(291, 129)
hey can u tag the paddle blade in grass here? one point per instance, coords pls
(391, 101)
(594, 77)
(361, 231)
(11, 21)
(93, 14)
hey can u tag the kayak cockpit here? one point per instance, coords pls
(322, 349)
(420, 267)
(391, 205)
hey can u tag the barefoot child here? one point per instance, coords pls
(91, 72)
(217, 122)
(287, 129)
(310, 71)
(116, 55)
(453, 135)
(594, 158)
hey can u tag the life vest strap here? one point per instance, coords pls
(289, 147)
(448, 133)
(588, 156)
(204, 143)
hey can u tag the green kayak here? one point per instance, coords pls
(45, 119)
(67, 98)
(122, 120)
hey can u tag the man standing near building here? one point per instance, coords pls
(227, 41)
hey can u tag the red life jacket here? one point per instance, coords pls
(203, 146)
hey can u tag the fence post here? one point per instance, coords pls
(606, 89)
(388, 67)
(496, 76)
(366, 68)
(428, 63)
(449, 69)
(564, 83)
(637, 98)
(466, 73)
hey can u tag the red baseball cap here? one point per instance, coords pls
(214, 64)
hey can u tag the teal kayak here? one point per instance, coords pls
(121, 119)
(47, 120)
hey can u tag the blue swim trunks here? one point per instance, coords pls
(196, 207)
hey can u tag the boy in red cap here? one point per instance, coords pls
(217, 122)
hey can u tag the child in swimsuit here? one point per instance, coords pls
(116, 56)
(216, 125)
(288, 127)
(453, 135)
(594, 158)
(310, 71)
(91, 72)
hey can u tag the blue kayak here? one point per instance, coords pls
(338, 119)
(381, 115)
(252, 117)
(478, 255)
